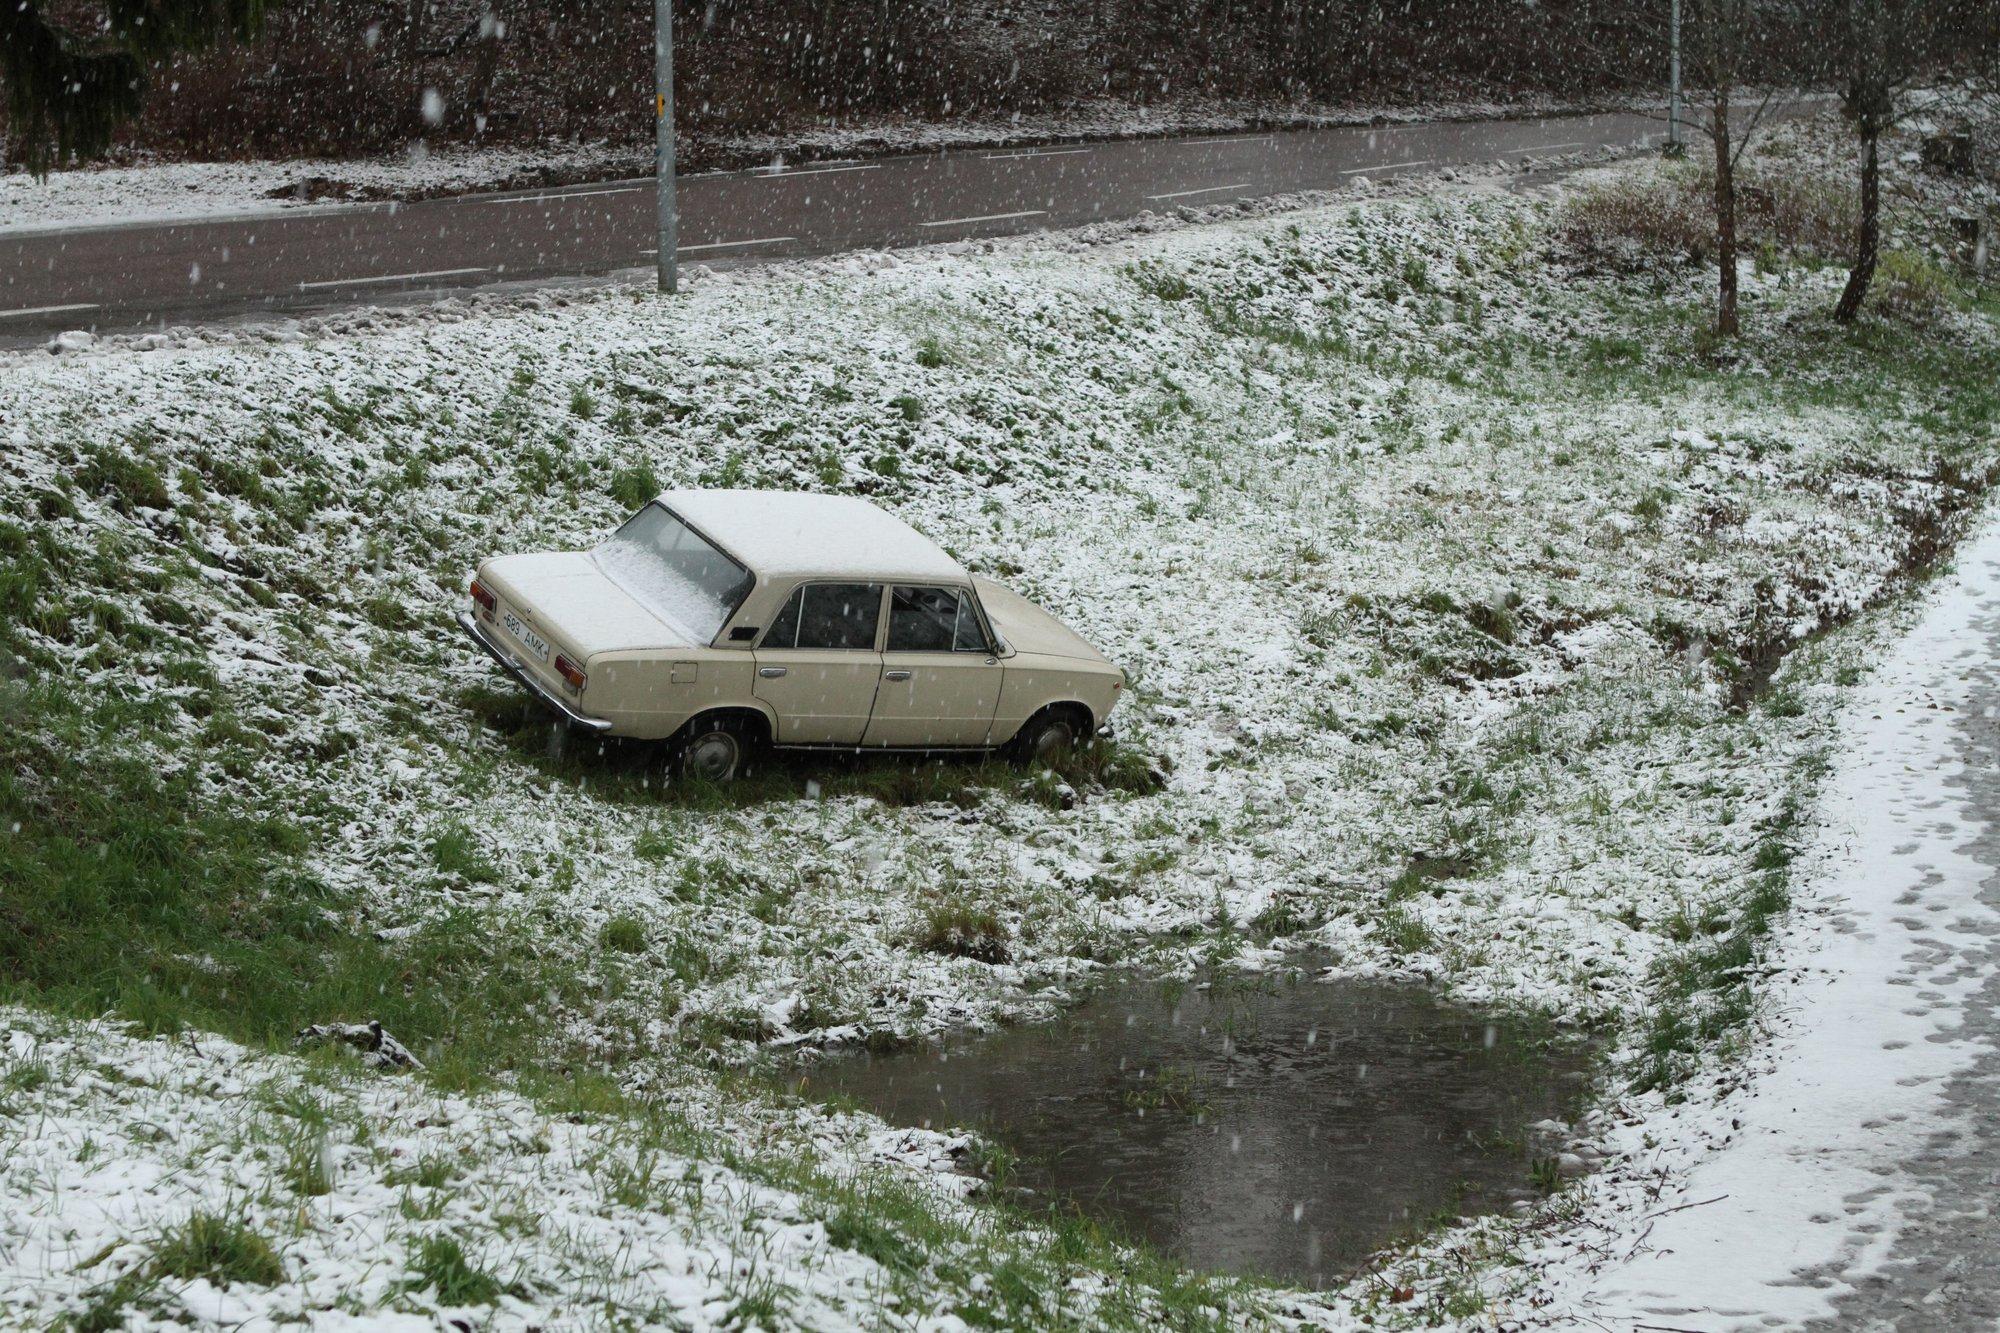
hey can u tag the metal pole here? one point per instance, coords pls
(663, 144)
(1676, 146)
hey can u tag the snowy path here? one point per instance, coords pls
(1852, 1181)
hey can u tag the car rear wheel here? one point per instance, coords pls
(1047, 738)
(714, 750)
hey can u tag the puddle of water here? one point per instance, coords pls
(1284, 1128)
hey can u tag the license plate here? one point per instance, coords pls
(530, 640)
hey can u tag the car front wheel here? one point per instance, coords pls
(714, 750)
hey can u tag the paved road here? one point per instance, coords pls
(128, 277)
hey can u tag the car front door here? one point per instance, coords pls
(817, 665)
(940, 678)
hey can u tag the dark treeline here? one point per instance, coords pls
(335, 76)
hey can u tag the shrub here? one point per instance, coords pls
(1665, 213)
(1671, 213)
(1911, 286)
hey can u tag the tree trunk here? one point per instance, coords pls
(1868, 242)
(485, 64)
(1726, 323)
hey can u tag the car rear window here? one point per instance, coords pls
(675, 572)
(828, 615)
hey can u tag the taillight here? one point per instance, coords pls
(570, 672)
(487, 601)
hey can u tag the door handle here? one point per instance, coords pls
(895, 675)
(770, 673)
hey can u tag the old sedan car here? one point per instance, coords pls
(722, 621)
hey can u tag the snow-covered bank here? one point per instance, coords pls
(1449, 572)
(1330, 448)
(373, 1201)
(1780, 1188)
(189, 191)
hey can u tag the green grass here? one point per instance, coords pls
(223, 1250)
(109, 1306)
(430, 1171)
(128, 889)
(623, 934)
(961, 930)
(1704, 992)
(128, 893)
(438, 1265)
(632, 487)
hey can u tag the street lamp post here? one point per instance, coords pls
(1676, 145)
(663, 144)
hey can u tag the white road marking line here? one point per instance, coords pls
(1035, 152)
(776, 172)
(565, 194)
(724, 245)
(1210, 189)
(1238, 138)
(1546, 147)
(985, 217)
(391, 277)
(46, 310)
(1387, 166)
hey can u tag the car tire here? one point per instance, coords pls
(1046, 739)
(714, 750)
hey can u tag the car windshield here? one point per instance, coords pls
(675, 572)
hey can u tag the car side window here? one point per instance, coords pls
(828, 615)
(933, 620)
(784, 631)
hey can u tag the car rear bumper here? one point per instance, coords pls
(514, 667)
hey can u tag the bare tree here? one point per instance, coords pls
(1867, 98)
(1884, 47)
(1718, 48)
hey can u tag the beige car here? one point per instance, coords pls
(727, 620)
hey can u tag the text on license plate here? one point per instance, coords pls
(530, 640)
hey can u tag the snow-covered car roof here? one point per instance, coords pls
(791, 534)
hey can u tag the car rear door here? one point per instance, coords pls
(940, 677)
(817, 664)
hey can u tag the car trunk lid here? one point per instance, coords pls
(1029, 629)
(567, 598)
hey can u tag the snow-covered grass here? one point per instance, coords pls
(163, 191)
(158, 1182)
(1451, 578)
